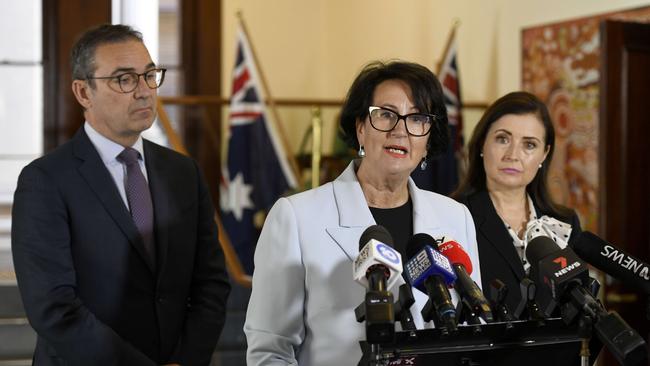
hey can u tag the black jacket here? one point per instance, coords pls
(498, 256)
(87, 286)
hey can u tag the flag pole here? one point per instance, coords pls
(232, 261)
(272, 106)
(460, 153)
(450, 38)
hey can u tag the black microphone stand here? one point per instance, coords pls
(497, 296)
(647, 316)
(465, 312)
(403, 309)
(585, 330)
(624, 343)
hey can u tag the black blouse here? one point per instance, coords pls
(399, 223)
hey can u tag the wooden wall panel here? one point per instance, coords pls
(624, 159)
(201, 65)
(63, 21)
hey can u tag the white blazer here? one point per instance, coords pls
(301, 310)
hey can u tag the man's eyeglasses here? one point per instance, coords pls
(128, 82)
(417, 124)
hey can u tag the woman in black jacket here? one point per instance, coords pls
(506, 192)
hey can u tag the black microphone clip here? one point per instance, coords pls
(528, 305)
(498, 294)
(402, 308)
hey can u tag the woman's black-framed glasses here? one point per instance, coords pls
(128, 81)
(385, 120)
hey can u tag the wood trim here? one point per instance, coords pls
(63, 22)
(201, 72)
(232, 261)
(623, 158)
(215, 99)
(283, 102)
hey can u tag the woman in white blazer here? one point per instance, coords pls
(301, 310)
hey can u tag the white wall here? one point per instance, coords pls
(21, 90)
(143, 16)
(308, 49)
(314, 48)
(517, 15)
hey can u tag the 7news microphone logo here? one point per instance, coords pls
(564, 268)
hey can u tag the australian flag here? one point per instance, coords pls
(442, 173)
(257, 172)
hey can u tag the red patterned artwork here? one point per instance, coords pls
(561, 65)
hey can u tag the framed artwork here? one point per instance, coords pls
(561, 65)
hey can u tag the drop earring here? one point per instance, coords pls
(481, 154)
(361, 152)
(423, 164)
(540, 165)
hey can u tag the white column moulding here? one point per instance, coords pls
(21, 91)
(143, 16)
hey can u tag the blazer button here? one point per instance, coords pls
(161, 300)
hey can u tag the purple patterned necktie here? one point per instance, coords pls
(139, 198)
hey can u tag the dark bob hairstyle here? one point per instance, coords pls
(519, 103)
(425, 89)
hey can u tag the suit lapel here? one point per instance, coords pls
(425, 220)
(425, 217)
(156, 172)
(492, 228)
(354, 214)
(355, 217)
(94, 172)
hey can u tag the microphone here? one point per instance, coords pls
(377, 268)
(564, 274)
(466, 287)
(430, 272)
(613, 261)
(556, 272)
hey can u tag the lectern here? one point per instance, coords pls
(520, 343)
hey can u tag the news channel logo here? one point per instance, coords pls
(441, 260)
(361, 258)
(388, 253)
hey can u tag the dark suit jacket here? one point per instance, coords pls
(87, 288)
(498, 256)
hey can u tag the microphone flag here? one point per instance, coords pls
(375, 252)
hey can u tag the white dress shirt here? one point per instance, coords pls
(109, 150)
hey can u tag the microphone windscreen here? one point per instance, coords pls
(588, 244)
(418, 242)
(456, 254)
(376, 232)
(539, 248)
(613, 261)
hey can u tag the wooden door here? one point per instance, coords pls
(63, 22)
(624, 155)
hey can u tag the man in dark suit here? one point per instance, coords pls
(114, 243)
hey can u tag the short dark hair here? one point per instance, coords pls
(518, 103)
(427, 96)
(82, 58)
